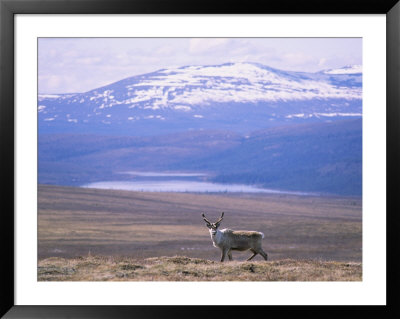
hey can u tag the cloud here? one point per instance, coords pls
(297, 58)
(166, 50)
(55, 83)
(203, 45)
(89, 60)
(70, 54)
(322, 62)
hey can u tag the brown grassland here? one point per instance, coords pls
(180, 268)
(93, 234)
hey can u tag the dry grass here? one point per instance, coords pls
(76, 222)
(179, 268)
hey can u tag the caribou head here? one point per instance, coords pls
(213, 226)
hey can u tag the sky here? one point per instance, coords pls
(76, 65)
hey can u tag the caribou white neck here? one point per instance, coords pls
(217, 237)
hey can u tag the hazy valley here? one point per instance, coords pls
(319, 157)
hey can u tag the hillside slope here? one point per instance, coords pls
(324, 158)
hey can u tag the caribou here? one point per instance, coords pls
(228, 239)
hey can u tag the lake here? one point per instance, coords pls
(180, 182)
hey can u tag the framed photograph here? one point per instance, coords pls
(166, 158)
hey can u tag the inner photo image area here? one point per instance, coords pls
(143, 143)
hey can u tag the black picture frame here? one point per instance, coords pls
(8, 10)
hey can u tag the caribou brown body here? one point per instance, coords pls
(228, 239)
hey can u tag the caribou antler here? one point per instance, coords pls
(220, 219)
(205, 219)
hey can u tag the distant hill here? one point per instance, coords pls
(323, 158)
(314, 157)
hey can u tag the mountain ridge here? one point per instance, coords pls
(235, 96)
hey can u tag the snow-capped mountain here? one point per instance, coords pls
(236, 96)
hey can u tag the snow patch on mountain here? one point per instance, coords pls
(335, 114)
(350, 69)
(235, 82)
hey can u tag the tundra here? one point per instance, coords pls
(228, 239)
